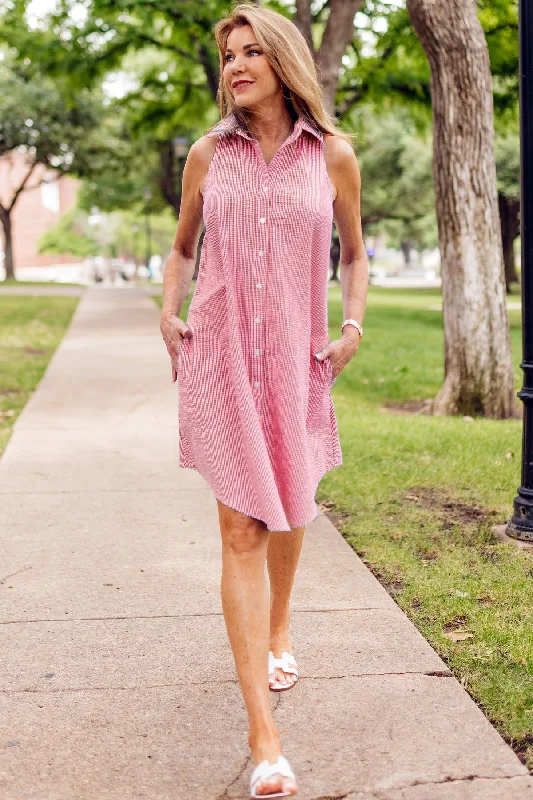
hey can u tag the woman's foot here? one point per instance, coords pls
(268, 746)
(280, 642)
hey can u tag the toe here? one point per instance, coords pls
(269, 786)
(289, 785)
(280, 676)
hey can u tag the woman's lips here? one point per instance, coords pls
(243, 85)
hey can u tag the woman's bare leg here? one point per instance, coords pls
(282, 559)
(245, 602)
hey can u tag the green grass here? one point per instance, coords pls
(13, 282)
(30, 330)
(417, 496)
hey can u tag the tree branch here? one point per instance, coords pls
(144, 37)
(512, 26)
(338, 34)
(21, 187)
(211, 72)
(302, 20)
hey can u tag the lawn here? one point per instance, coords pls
(417, 496)
(17, 283)
(30, 330)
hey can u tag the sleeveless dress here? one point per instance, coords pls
(256, 418)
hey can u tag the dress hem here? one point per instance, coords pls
(272, 530)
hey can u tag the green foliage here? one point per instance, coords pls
(115, 234)
(397, 179)
(124, 233)
(34, 115)
(507, 154)
(499, 19)
(397, 73)
(68, 236)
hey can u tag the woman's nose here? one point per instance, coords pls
(236, 62)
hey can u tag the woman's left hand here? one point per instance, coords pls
(341, 351)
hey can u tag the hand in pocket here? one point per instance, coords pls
(173, 330)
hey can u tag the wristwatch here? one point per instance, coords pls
(355, 324)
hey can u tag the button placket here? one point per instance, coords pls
(260, 276)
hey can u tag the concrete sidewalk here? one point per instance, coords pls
(117, 678)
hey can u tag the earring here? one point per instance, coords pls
(284, 95)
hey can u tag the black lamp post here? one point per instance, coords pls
(521, 525)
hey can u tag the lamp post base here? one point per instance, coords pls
(521, 525)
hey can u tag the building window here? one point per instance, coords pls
(50, 196)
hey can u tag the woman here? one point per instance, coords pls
(254, 361)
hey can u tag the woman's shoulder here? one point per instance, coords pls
(199, 159)
(340, 155)
(203, 148)
(201, 152)
(338, 149)
(341, 162)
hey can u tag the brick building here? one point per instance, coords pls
(37, 209)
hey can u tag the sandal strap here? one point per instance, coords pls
(266, 770)
(287, 663)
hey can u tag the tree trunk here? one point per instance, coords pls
(5, 219)
(335, 256)
(477, 352)
(338, 34)
(510, 224)
(170, 177)
(406, 250)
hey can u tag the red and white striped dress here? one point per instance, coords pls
(256, 418)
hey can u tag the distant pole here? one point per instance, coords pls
(147, 196)
(148, 241)
(521, 525)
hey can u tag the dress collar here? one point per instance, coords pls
(230, 124)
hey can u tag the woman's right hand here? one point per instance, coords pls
(173, 330)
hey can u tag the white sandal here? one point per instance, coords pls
(288, 664)
(266, 770)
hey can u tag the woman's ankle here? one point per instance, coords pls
(279, 622)
(264, 734)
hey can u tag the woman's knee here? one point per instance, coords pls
(241, 534)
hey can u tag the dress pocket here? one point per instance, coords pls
(319, 399)
(185, 358)
(324, 370)
(330, 371)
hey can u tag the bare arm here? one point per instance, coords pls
(180, 264)
(344, 173)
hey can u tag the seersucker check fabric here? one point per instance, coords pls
(256, 418)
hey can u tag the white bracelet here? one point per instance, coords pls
(355, 324)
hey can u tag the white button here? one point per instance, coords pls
(257, 352)
(261, 253)
(265, 188)
(256, 384)
(259, 285)
(262, 219)
(258, 319)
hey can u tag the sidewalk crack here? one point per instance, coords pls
(14, 573)
(239, 775)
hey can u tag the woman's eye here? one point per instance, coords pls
(228, 56)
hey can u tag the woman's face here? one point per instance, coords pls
(247, 73)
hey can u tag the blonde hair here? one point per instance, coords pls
(289, 56)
